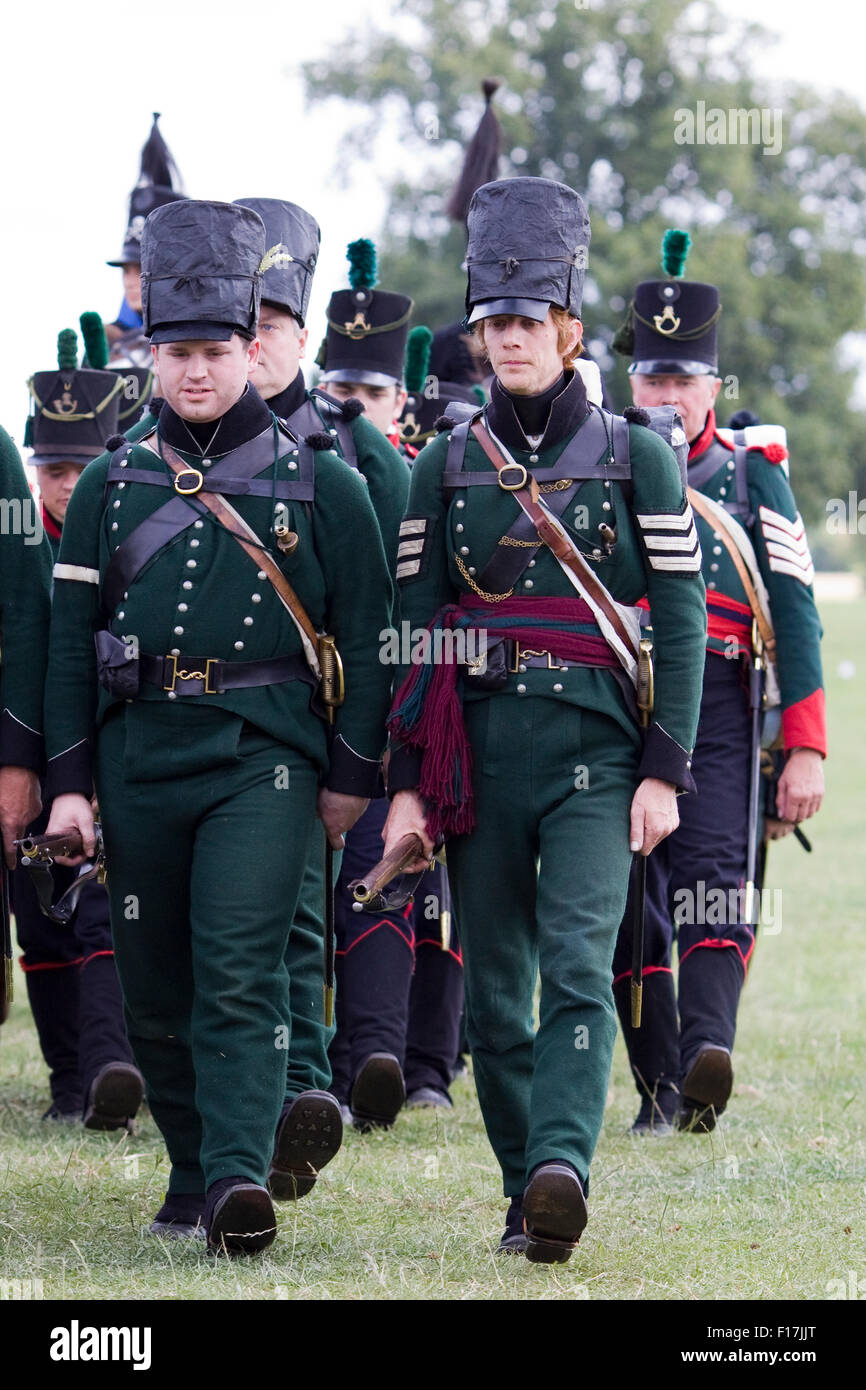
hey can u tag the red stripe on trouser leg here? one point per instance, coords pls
(647, 970)
(49, 964)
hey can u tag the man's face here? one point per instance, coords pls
(282, 342)
(524, 354)
(132, 285)
(693, 397)
(56, 481)
(382, 404)
(202, 379)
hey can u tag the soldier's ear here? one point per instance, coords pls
(252, 353)
(154, 352)
(717, 382)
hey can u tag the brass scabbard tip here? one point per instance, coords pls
(636, 1003)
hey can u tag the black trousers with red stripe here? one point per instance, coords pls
(398, 991)
(696, 880)
(72, 986)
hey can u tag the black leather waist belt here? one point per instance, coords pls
(195, 675)
(520, 658)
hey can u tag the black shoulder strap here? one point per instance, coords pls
(324, 410)
(599, 449)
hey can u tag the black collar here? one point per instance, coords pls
(286, 402)
(568, 410)
(244, 421)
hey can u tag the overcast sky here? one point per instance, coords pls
(80, 82)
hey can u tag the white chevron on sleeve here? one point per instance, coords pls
(772, 535)
(672, 521)
(805, 573)
(671, 543)
(795, 529)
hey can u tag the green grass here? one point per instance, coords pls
(769, 1206)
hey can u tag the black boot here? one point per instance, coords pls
(54, 1002)
(653, 1050)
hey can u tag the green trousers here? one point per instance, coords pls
(208, 826)
(540, 885)
(308, 1067)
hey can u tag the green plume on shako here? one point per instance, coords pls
(418, 358)
(363, 273)
(95, 341)
(67, 349)
(675, 249)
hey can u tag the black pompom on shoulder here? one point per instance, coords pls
(319, 441)
(154, 406)
(115, 441)
(443, 423)
(635, 415)
(352, 408)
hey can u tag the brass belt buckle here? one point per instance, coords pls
(509, 468)
(204, 675)
(521, 653)
(187, 473)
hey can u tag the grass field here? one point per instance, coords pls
(769, 1206)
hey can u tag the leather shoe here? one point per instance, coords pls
(181, 1217)
(705, 1090)
(554, 1213)
(309, 1134)
(116, 1092)
(378, 1092)
(514, 1238)
(239, 1217)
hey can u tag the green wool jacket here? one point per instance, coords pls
(655, 554)
(202, 595)
(767, 512)
(25, 577)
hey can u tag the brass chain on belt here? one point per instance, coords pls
(489, 598)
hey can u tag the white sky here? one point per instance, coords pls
(81, 78)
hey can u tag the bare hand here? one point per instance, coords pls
(406, 817)
(654, 814)
(338, 813)
(801, 786)
(20, 803)
(73, 812)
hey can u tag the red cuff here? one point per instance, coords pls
(804, 725)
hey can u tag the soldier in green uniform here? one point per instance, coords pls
(72, 983)
(25, 568)
(310, 1129)
(545, 762)
(220, 535)
(752, 539)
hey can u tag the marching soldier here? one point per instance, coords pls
(310, 1128)
(25, 569)
(362, 358)
(537, 527)
(216, 534)
(758, 574)
(436, 994)
(71, 979)
(158, 183)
